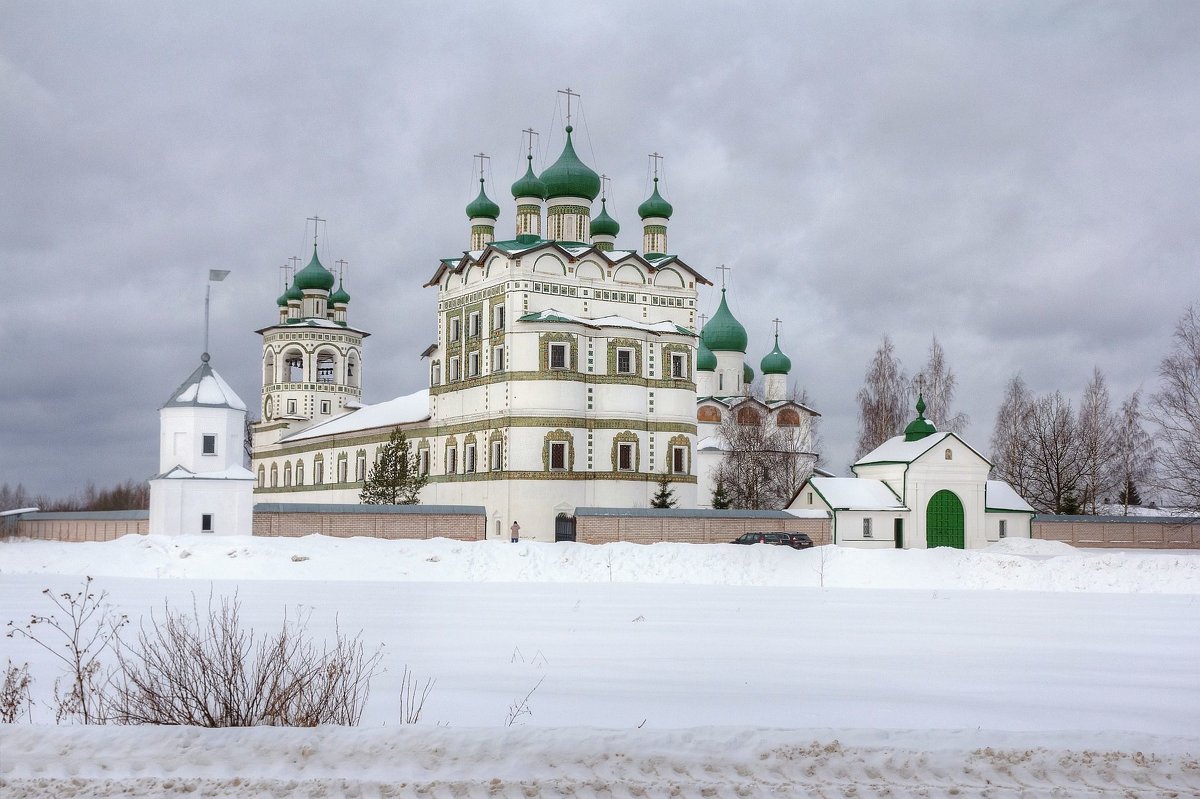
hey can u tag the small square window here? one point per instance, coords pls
(558, 356)
(206, 522)
(209, 446)
(558, 455)
(625, 457)
(678, 366)
(624, 361)
(291, 406)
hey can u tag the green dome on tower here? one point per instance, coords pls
(920, 427)
(283, 299)
(705, 360)
(529, 185)
(314, 276)
(776, 363)
(747, 374)
(294, 293)
(340, 296)
(723, 333)
(656, 206)
(481, 206)
(570, 177)
(604, 225)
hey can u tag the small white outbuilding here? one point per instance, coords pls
(917, 490)
(202, 486)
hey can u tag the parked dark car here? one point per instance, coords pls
(793, 540)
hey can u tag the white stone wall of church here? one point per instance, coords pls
(1019, 525)
(848, 529)
(177, 506)
(181, 432)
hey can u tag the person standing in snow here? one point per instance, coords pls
(516, 532)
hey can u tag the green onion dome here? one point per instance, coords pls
(283, 299)
(776, 363)
(747, 374)
(604, 225)
(705, 360)
(656, 206)
(570, 177)
(314, 276)
(920, 427)
(340, 297)
(294, 293)
(481, 206)
(723, 333)
(529, 185)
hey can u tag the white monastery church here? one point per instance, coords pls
(565, 372)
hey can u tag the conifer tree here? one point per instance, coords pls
(395, 477)
(665, 498)
(720, 499)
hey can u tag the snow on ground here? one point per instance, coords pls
(1027, 669)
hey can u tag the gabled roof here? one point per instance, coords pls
(551, 315)
(1001, 496)
(204, 388)
(401, 410)
(855, 493)
(234, 472)
(313, 321)
(570, 250)
(897, 450)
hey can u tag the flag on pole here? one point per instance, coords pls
(217, 275)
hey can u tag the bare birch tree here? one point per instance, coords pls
(764, 464)
(1055, 460)
(937, 383)
(882, 401)
(1175, 409)
(1134, 451)
(1096, 437)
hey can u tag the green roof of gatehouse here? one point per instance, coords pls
(920, 427)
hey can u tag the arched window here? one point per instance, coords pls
(788, 418)
(274, 475)
(299, 473)
(748, 416)
(293, 361)
(326, 366)
(949, 454)
(318, 471)
(262, 476)
(708, 413)
(341, 468)
(287, 474)
(352, 368)
(269, 368)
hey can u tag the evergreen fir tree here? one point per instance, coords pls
(720, 500)
(1129, 496)
(665, 498)
(395, 477)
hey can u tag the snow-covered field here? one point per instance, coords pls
(1028, 669)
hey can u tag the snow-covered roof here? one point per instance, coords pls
(709, 442)
(551, 315)
(204, 387)
(235, 472)
(897, 450)
(856, 493)
(1002, 496)
(401, 410)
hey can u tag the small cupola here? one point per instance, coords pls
(920, 427)
(483, 214)
(723, 333)
(529, 192)
(705, 360)
(654, 213)
(339, 300)
(775, 362)
(604, 229)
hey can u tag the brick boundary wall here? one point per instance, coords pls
(595, 526)
(1119, 532)
(461, 523)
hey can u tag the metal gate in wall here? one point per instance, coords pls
(564, 528)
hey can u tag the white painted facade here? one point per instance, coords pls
(202, 486)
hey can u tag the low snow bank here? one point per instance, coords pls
(1010, 565)
(525, 762)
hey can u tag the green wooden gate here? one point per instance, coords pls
(944, 521)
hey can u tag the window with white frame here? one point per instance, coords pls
(299, 473)
(291, 406)
(472, 364)
(454, 329)
(206, 522)
(452, 460)
(423, 461)
(559, 352)
(679, 366)
(867, 528)
(625, 361)
(558, 456)
(341, 470)
(498, 318)
(497, 451)
(325, 406)
(360, 467)
(435, 373)
(679, 459)
(453, 368)
(498, 359)
(209, 445)
(318, 472)
(473, 325)
(625, 456)
(469, 458)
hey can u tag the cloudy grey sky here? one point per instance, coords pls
(1020, 179)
